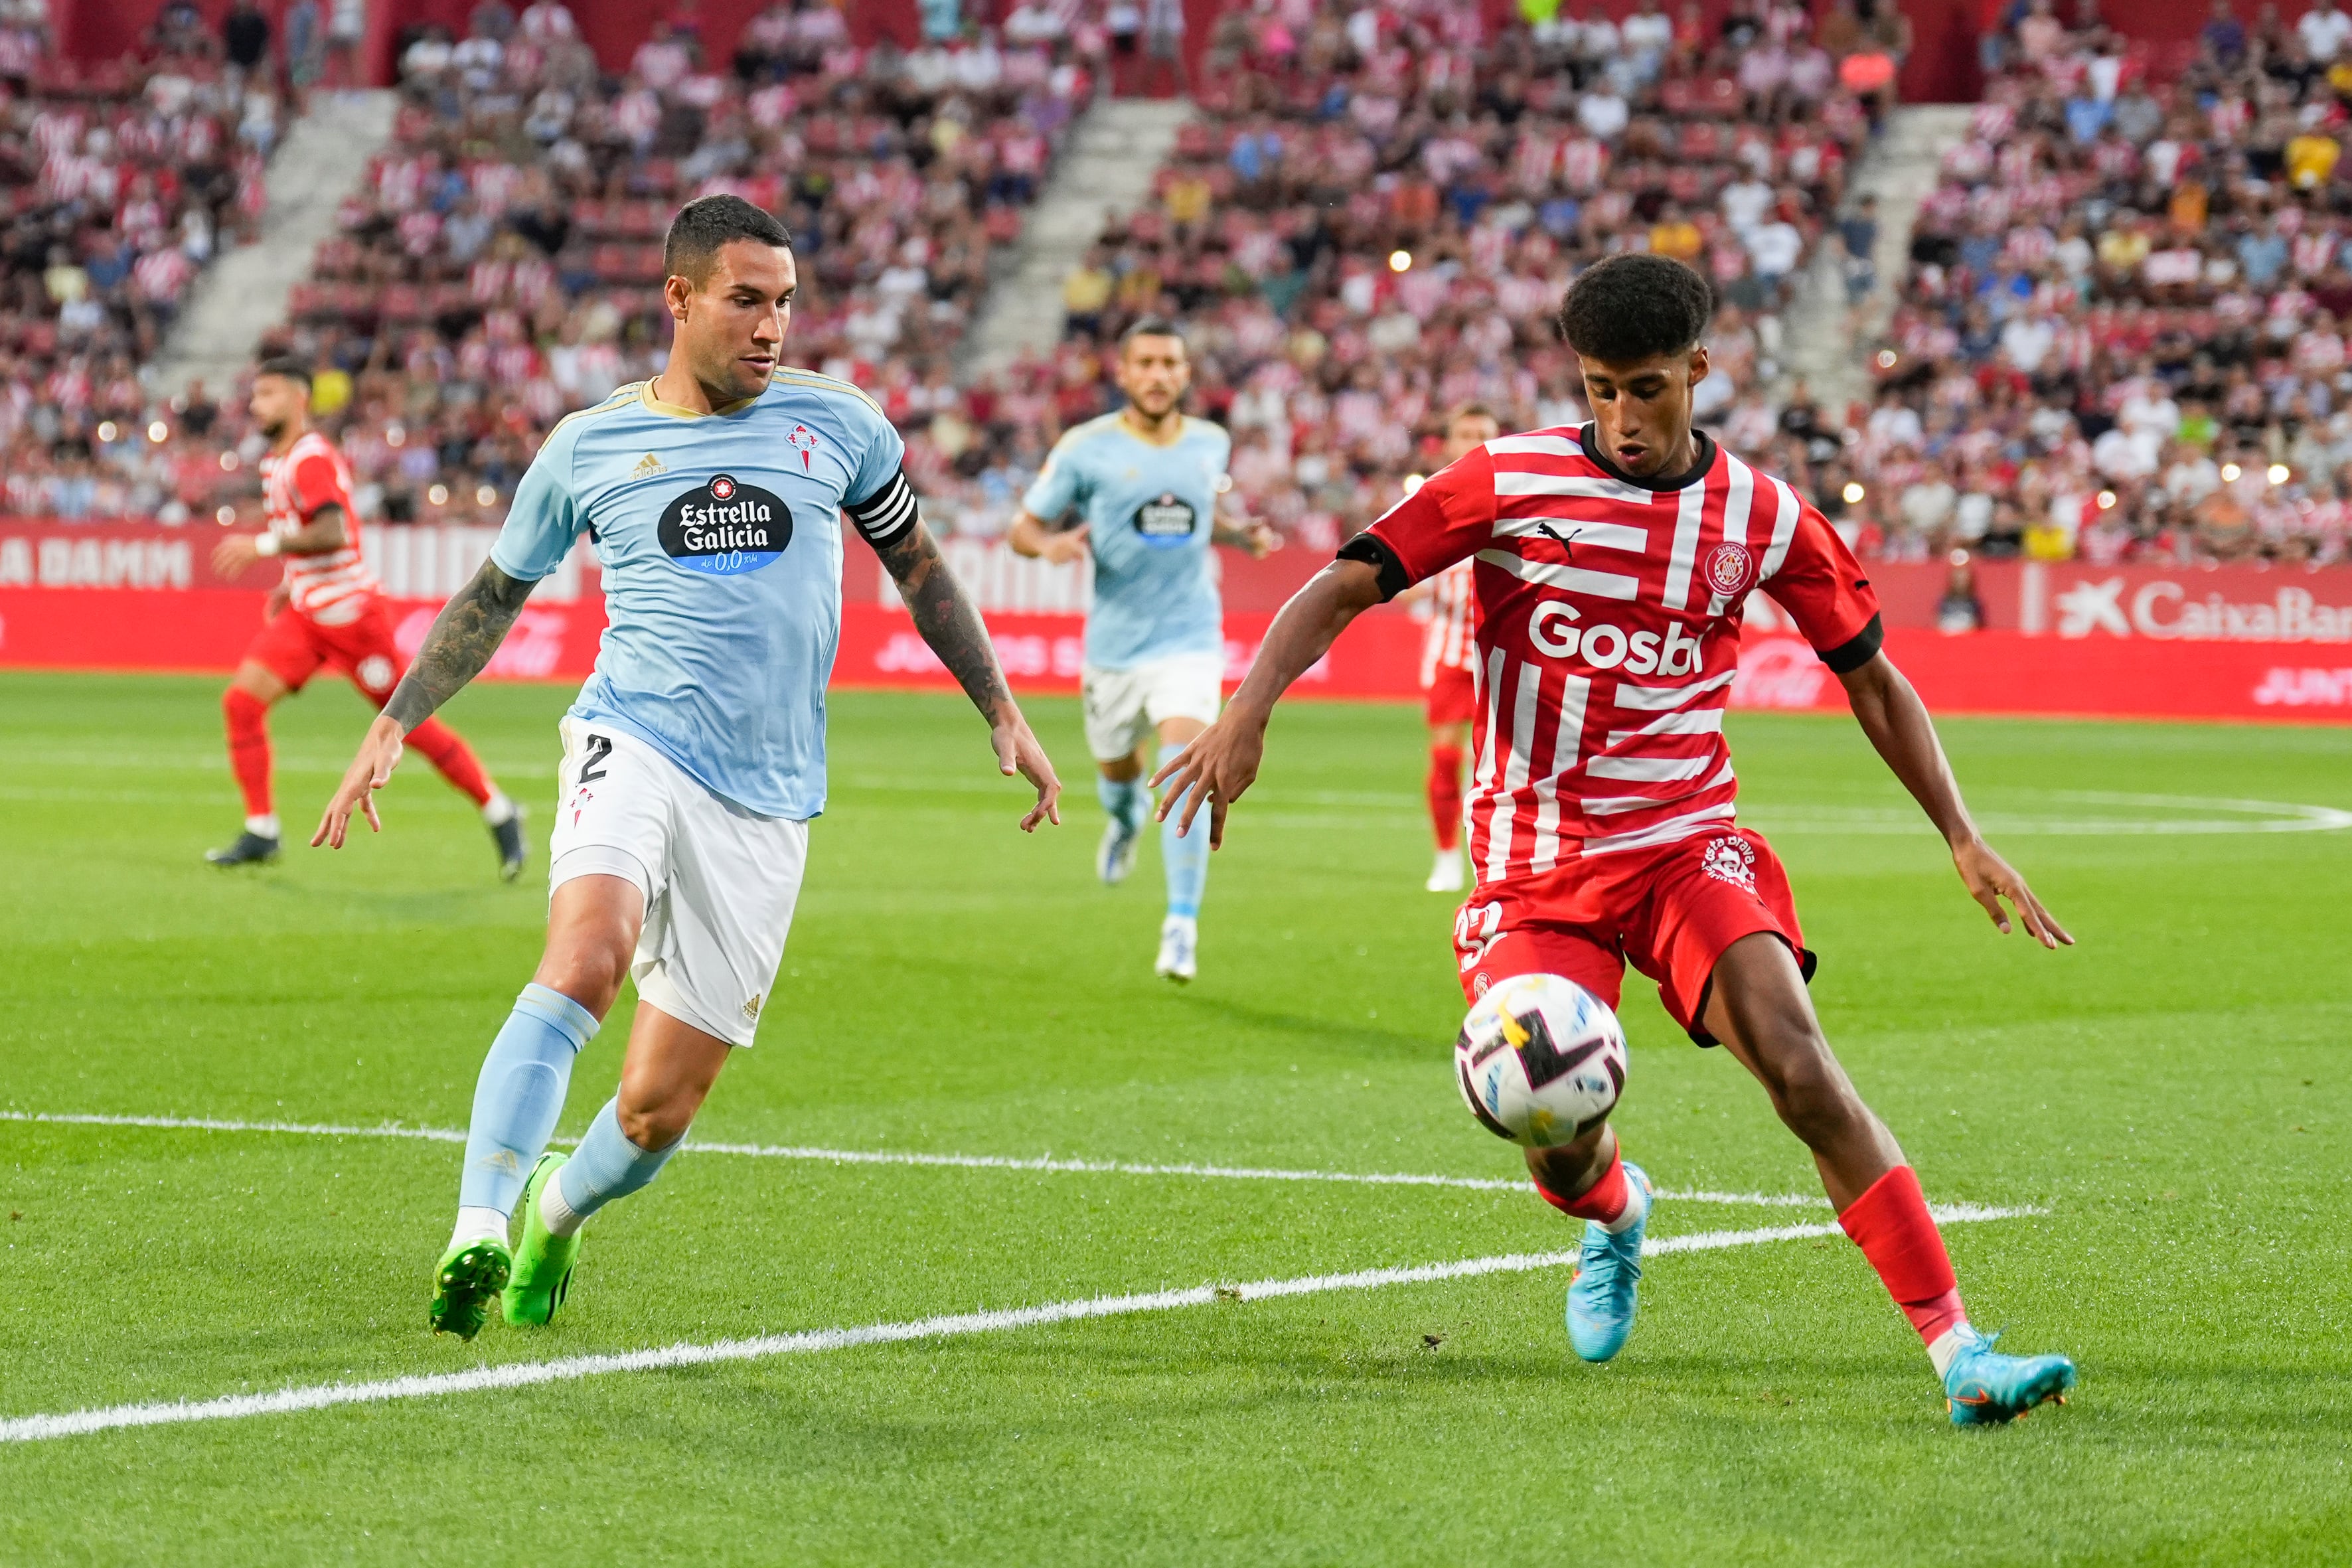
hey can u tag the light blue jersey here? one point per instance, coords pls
(720, 536)
(1148, 512)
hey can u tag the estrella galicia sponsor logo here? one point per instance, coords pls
(1165, 521)
(726, 527)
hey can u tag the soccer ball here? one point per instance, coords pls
(1541, 1060)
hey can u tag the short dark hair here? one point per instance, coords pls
(1474, 409)
(707, 224)
(1152, 327)
(287, 365)
(1634, 305)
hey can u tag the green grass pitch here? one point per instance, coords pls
(2173, 1093)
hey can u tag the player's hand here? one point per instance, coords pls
(1017, 752)
(1991, 879)
(1219, 765)
(1063, 548)
(369, 772)
(1260, 541)
(233, 556)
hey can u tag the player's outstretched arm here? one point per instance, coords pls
(324, 536)
(1898, 724)
(950, 623)
(1222, 761)
(465, 635)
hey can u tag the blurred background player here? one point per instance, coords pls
(1615, 560)
(694, 757)
(327, 610)
(1448, 654)
(1144, 483)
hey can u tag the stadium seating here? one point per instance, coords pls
(2120, 336)
(1380, 205)
(121, 182)
(502, 265)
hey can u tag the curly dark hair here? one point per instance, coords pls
(1633, 305)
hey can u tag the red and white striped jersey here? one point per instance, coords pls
(332, 589)
(1451, 641)
(1608, 634)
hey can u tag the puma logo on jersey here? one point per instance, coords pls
(648, 466)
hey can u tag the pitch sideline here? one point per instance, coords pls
(523, 1375)
(1045, 1163)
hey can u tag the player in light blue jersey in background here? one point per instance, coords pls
(693, 757)
(1144, 483)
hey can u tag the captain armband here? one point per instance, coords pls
(888, 515)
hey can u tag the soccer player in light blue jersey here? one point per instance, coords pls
(693, 757)
(1144, 483)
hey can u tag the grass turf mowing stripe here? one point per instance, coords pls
(896, 1157)
(522, 1374)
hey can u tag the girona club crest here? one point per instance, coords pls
(1729, 569)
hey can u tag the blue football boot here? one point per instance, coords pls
(1601, 1298)
(1983, 1387)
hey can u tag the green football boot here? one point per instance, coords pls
(543, 1264)
(463, 1285)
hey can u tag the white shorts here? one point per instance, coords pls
(1124, 706)
(719, 882)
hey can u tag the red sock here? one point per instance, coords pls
(1892, 1226)
(249, 747)
(455, 758)
(1445, 794)
(1603, 1201)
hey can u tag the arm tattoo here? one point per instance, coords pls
(947, 619)
(464, 636)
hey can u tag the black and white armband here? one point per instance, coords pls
(888, 515)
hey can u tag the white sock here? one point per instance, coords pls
(497, 811)
(262, 827)
(1637, 1208)
(1948, 1344)
(560, 1217)
(478, 1225)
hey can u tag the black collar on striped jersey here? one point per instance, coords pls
(1661, 486)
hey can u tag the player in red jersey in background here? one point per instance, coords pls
(1614, 562)
(328, 610)
(1446, 654)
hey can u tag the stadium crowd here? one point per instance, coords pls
(122, 182)
(2121, 335)
(500, 265)
(1383, 203)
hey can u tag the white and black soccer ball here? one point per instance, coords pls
(1541, 1060)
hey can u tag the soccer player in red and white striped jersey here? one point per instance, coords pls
(1448, 650)
(1612, 565)
(328, 610)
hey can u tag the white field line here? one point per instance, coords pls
(522, 1374)
(895, 1157)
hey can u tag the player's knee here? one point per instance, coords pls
(589, 973)
(653, 1123)
(1813, 1098)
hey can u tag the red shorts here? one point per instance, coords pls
(1451, 699)
(292, 647)
(1669, 911)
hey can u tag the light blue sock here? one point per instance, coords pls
(519, 1094)
(1185, 856)
(606, 1166)
(1127, 804)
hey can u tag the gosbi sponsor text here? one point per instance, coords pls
(1554, 628)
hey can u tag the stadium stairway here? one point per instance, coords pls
(1115, 150)
(1900, 170)
(243, 294)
